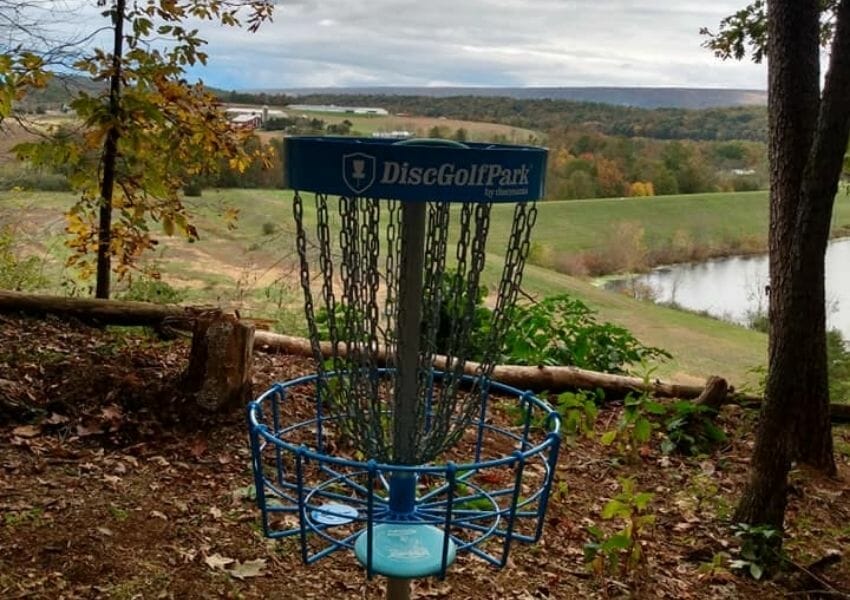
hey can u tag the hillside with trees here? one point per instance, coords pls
(736, 123)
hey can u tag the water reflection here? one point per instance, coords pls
(734, 288)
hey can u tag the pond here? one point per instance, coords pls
(734, 289)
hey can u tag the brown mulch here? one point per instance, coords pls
(113, 486)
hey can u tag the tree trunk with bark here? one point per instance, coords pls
(110, 157)
(807, 139)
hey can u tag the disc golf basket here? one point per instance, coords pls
(400, 448)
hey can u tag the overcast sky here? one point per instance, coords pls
(480, 42)
(476, 42)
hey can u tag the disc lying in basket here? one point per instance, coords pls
(405, 551)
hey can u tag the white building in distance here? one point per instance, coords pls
(333, 108)
(251, 116)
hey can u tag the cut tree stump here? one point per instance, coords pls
(715, 393)
(218, 377)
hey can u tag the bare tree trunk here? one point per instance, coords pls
(110, 157)
(807, 139)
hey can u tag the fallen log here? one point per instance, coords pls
(715, 393)
(535, 378)
(107, 312)
(553, 379)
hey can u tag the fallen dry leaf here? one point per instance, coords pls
(249, 568)
(217, 561)
(56, 419)
(91, 429)
(27, 431)
(198, 447)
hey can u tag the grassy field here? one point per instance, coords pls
(252, 267)
(421, 126)
(600, 236)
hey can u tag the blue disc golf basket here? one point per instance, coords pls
(392, 449)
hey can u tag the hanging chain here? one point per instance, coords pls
(361, 320)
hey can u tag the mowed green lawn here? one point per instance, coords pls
(710, 219)
(251, 268)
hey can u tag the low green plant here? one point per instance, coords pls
(345, 320)
(690, 429)
(621, 552)
(561, 330)
(716, 567)
(32, 515)
(761, 549)
(635, 425)
(17, 272)
(454, 304)
(148, 287)
(578, 412)
(558, 330)
(704, 490)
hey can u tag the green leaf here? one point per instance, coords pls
(655, 408)
(614, 508)
(756, 571)
(608, 437)
(596, 532)
(618, 541)
(642, 500)
(643, 429)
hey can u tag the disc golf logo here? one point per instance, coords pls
(358, 171)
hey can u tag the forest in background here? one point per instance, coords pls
(596, 150)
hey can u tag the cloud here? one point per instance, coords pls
(476, 42)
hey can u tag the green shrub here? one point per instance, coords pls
(557, 331)
(147, 288)
(760, 551)
(17, 177)
(621, 553)
(561, 330)
(690, 428)
(450, 312)
(16, 272)
(193, 188)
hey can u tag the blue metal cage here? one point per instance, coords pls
(309, 486)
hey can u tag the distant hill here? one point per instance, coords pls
(641, 97)
(60, 90)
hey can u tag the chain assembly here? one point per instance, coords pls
(353, 303)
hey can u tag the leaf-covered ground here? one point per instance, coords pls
(116, 488)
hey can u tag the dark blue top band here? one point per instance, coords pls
(415, 170)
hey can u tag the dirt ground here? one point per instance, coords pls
(115, 487)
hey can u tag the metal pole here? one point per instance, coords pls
(407, 393)
(409, 323)
(398, 589)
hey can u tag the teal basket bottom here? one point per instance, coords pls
(478, 505)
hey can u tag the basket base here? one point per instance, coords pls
(405, 551)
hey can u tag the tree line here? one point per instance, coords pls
(735, 123)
